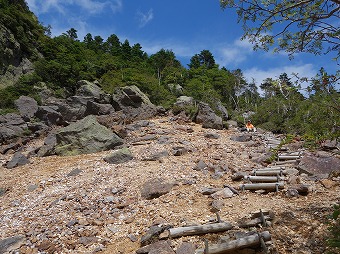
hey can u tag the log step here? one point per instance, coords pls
(288, 157)
(264, 179)
(200, 229)
(262, 186)
(235, 245)
(269, 172)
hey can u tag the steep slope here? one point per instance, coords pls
(20, 35)
(81, 204)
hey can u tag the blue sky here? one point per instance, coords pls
(184, 26)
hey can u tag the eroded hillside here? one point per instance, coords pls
(82, 204)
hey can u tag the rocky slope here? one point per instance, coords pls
(82, 204)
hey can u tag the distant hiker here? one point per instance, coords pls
(250, 126)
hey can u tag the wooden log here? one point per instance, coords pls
(264, 179)
(261, 186)
(285, 162)
(288, 157)
(271, 168)
(269, 172)
(257, 214)
(200, 229)
(233, 246)
(253, 222)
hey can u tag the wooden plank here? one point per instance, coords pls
(233, 246)
(261, 186)
(200, 229)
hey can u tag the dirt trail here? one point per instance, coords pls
(100, 209)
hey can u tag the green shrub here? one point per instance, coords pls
(334, 230)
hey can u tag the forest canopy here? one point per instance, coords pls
(278, 105)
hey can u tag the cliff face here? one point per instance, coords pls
(20, 33)
(13, 61)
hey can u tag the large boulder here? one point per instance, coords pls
(134, 104)
(27, 106)
(319, 164)
(94, 108)
(50, 115)
(17, 160)
(131, 96)
(89, 89)
(184, 101)
(207, 117)
(222, 110)
(119, 156)
(74, 107)
(11, 126)
(85, 136)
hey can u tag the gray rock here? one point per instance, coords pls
(88, 89)
(209, 190)
(49, 144)
(186, 248)
(152, 234)
(207, 117)
(242, 138)
(156, 156)
(74, 172)
(131, 96)
(50, 115)
(222, 110)
(231, 123)
(179, 150)
(119, 156)
(10, 244)
(85, 136)
(225, 193)
(184, 101)
(160, 247)
(216, 205)
(212, 135)
(17, 160)
(201, 165)
(155, 188)
(322, 166)
(32, 187)
(27, 106)
(88, 240)
(94, 108)
(3, 191)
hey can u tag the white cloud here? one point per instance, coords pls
(145, 18)
(305, 70)
(91, 6)
(234, 53)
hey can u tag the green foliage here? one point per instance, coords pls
(189, 110)
(23, 87)
(16, 16)
(334, 229)
(292, 26)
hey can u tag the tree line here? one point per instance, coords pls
(282, 108)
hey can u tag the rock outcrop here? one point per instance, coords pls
(85, 136)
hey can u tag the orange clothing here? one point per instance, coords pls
(249, 126)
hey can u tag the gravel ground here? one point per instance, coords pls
(81, 204)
